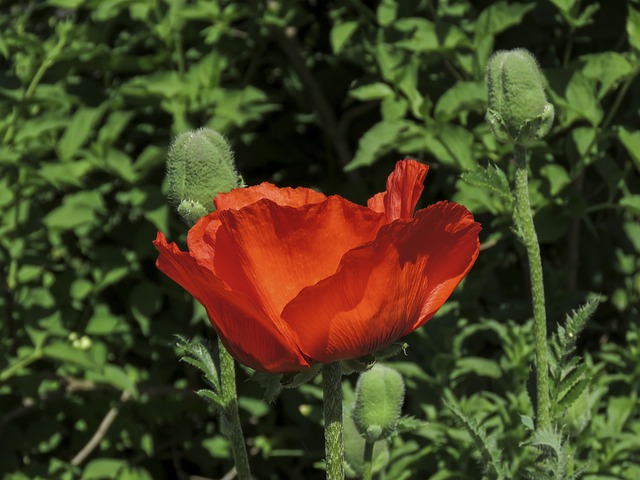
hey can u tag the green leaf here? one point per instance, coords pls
(607, 68)
(564, 339)
(631, 142)
(491, 178)
(477, 365)
(564, 5)
(387, 11)
(200, 356)
(485, 444)
(373, 91)
(341, 33)
(66, 174)
(78, 209)
(456, 147)
(376, 141)
(102, 468)
(557, 177)
(103, 322)
(79, 129)
(527, 422)
(582, 101)
(633, 27)
(64, 351)
(499, 16)
(116, 377)
(461, 98)
(632, 202)
(210, 396)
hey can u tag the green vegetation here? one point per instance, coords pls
(328, 95)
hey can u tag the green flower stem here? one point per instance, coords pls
(524, 222)
(367, 469)
(229, 418)
(333, 436)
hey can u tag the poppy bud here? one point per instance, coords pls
(518, 110)
(379, 398)
(200, 165)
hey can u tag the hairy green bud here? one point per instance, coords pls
(354, 446)
(199, 166)
(518, 110)
(379, 398)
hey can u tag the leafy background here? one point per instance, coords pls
(327, 95)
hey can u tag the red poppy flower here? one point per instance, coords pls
(290, 277)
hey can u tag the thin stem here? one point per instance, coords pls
(524, 222)
(11, 370)
(333, 437)
(229, 418)
(367, 469)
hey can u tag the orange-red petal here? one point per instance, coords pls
(241, 197)
(246, 331)
(282, 249)
(387, 288)
(404, 187)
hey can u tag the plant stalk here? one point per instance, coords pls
(229, 417)
(367, 469)
(333, 434)
(524, 223)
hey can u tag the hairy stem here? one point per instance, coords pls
(367, 469)
(524, 222)
(333, 437)
(229, 418)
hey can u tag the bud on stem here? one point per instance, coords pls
(200, 165)
(518, 111)
(379, 398)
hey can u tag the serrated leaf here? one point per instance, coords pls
(573, 394)
(491, 178)
(409, 424)
(199, 355)
(485, 444)
(211, 396)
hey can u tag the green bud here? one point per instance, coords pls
(354, 446)
(518, 110)
(379, 398)
(200, 165)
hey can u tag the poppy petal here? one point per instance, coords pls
(247, 333)
(388, 288)
(283, 249)
(404, 187)
(241, 197)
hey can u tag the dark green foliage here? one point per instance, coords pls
(328, 95)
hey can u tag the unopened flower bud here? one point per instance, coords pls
(379, 398)
(518, 110)
(200, 165)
